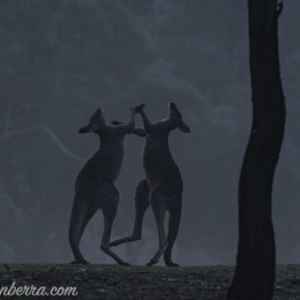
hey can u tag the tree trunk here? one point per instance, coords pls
(255, 269)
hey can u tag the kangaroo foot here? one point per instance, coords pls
(124, 263)
(151, 263)
(80, 262)
(124, 240)
(113, 244)
(171, 264)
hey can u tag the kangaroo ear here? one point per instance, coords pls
(139, 131)
(84, 129)
(184, 128)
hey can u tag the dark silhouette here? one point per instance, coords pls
(95, 187)
(255, 270)
(163, 186)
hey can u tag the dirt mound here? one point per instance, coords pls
(138, 282)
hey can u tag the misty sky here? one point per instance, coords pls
(61, 60)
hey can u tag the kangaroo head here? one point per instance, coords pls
(175, 118)
(96, 123)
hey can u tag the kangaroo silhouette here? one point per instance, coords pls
(94, 187)
(163, 186)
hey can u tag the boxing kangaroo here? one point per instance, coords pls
(94, 187)
(163, 187)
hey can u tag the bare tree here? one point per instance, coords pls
(11, 132)
(255, 270)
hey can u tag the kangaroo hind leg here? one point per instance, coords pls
(109, 213)
(141, 205)
(174, 221)
(82, 212)
(159, 210)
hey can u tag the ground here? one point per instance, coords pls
(139, 282)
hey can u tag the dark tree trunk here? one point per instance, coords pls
(255, 269)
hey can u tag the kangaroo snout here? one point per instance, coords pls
(98, 113)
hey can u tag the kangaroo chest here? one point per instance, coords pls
(109, 163)
(158, 163)
(104, 165)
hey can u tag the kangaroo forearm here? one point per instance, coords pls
(139, 132)
(129, 126)
(146, 122)
(131, 122)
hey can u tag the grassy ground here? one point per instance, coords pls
(139, 282)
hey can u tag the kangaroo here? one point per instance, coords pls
(163, 186)
(94, 187)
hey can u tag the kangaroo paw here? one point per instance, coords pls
(139, 108)
(114, 122)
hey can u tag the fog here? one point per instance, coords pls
(61, 60)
